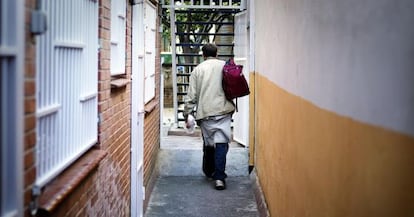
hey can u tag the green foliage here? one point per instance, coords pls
(192, 28)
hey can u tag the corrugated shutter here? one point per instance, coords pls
(66, 82)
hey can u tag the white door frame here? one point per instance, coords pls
(12, 104)
(241, 42)
(137, 110)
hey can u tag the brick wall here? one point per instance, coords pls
(106, 190)
(112, 180)
(29, 109)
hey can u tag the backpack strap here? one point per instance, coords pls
(236, 105)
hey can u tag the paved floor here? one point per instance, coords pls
(195, 196)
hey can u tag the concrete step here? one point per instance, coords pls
(182, 156)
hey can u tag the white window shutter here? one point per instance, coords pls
(67, 74)
(118, 36)
(150, 50)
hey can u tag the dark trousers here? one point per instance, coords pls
(214, 161)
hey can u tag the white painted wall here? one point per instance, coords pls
(355, 57)
(241, 48)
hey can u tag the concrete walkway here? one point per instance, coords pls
(183, 191)
(193, 196)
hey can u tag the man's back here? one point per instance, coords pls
(206, 89)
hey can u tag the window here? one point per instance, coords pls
(11, 98)
(118, 34)
(150, 18)
(66, 82)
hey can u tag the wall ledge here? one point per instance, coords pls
(150, 106)
(60, 188)
(119, 82)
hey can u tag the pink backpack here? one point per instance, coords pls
(234, 82)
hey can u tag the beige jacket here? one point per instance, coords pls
(205, 91)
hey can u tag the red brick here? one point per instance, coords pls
(29, 105)
(29, 160)
(29, 176)
(29, 123)
(103, 95)
(30, 69)
(29, 88)
(29, 140)
(27, 195)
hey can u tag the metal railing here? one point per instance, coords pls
(205, 4)
(222, 36)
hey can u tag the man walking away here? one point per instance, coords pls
(214, 112)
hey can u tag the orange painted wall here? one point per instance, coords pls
(312, 162)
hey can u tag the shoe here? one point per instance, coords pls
(220, 185)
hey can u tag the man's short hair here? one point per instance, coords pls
(209, 50)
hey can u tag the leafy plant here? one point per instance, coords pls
(193, 23)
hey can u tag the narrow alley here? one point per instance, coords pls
(327, 129)
(194, 196)
(183, 191)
